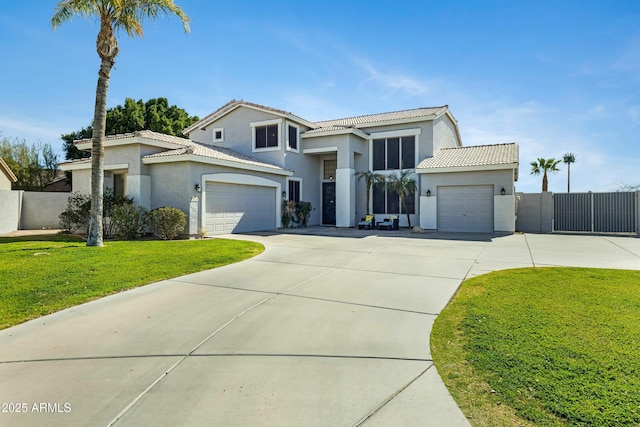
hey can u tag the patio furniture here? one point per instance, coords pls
(390, 223)
(367, 222)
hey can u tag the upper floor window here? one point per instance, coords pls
(218, 135)
(394, 153)
(266, 135)
(292, 137)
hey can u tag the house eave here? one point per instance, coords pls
(130, 141)
(474, 168)
(213, 161)
(87, 165)
(345, 131)
(209, 120)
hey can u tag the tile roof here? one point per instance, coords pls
(384, 117)
(236, 103)
(219, 153)
(7, 171)
(480, 155)
(143, 134)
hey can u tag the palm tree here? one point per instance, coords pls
(568, 159)
(544, 166)
(114, 15)
(405, 186)
(370, 179)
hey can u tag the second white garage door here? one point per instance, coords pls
(235, 208)
(466, 209)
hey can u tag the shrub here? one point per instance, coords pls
(295, 214)
(77, 214)
(129, 220)
(167, 222)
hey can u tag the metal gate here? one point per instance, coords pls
(595, 212)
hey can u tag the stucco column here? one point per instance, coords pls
(345, 197)
(139, 187)
(428, 212)
(504, 212)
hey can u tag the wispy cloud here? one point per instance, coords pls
(390, 83)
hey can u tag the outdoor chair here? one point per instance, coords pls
(367, 222)
(390, 223)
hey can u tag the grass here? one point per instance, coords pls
(44, 274)
(543, 346)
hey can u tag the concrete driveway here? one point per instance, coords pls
(326, 330)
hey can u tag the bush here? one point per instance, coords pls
(77, 214)
(129, 220)
(295, 214)
(167, 223)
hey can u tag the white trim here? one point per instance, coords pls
(235, 178)
(297, 149)
(468, 168)
(395, 133)
(345, 131)
(298, 179)
(213, 135)
(320, 150)
(263, 123)
(213, 161)
(87, 165)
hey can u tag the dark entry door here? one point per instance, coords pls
(329, 203)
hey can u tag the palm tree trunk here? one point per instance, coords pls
(545, 182)
(97, 153)
(368, 193)
(568, 177)
(404, 206)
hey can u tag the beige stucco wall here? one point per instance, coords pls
(10, 206)
(5, 183)
(444, 133)
(41, 210)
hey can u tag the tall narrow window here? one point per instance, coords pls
(379, 154)
(393, 153)
(293, 137)
(294, 191)
(408, 152)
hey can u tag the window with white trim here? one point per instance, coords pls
(218, 135)
(295, 190)
(292, 137)
(394, 153)
(266, 135)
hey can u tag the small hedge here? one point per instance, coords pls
(167, 223)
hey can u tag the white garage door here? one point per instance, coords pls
(235, 208)
(466, 209)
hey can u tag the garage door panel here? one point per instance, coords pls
(465, 209)
(235, 208)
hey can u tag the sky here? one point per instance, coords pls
(555, 77)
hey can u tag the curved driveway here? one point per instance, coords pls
(326, 330)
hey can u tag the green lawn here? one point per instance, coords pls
(43, 274)
(543, 346)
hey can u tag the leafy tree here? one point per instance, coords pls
(34, 165)
(544, 166)
(568, 159)
(624, 187)
(156, 114)
(370, 179)
(114, 15)
(405, 186)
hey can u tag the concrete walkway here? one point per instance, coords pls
(319, 330)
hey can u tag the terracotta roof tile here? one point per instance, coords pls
(480, 155)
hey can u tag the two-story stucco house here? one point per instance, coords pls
(244, 159)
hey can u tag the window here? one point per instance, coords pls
(218, 135)
(294, 190)
(119, 186)
(292, 141)
(394, 153)
(330, 169)
(387, 201)
(266, 135)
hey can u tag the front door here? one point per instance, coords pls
(329, 203)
